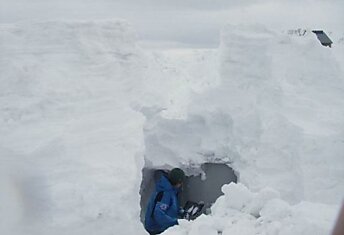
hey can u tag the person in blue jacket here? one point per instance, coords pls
(163, 207)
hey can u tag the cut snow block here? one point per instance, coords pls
(206, 188)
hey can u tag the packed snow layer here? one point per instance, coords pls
(83, 110)
(71, 146)
(292, 90)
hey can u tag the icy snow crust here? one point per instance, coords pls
(83, 110)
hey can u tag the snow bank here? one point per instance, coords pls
(71, 145)
(292, 90)
(72, 101)
(81, 105)
(277, 118)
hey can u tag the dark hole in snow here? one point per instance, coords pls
(205, 187)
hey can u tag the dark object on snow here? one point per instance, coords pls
(192, 210)
(323, 38)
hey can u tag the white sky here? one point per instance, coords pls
(192, 22)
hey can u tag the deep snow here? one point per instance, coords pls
(84, 109)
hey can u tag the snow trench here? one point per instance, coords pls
(84, 111)
(205, 187)
(196, 146)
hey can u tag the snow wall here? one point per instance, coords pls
(83, 110)
(71, 145)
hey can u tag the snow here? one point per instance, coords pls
(276, 118)
(84, 110)
(230, 216)
(66, 122)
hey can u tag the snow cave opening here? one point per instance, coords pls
(205, 186)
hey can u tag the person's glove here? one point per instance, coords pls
(181, 211)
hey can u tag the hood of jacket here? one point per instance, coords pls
(164, 185)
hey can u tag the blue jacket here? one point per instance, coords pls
(166, 210)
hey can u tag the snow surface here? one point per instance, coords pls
(84, 109)
(236, 213)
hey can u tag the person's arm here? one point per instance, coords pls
(160, 212)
